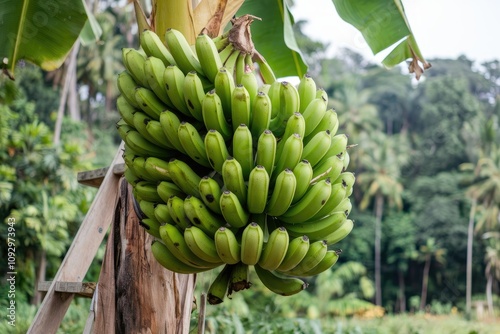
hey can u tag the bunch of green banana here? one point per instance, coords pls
(231, 168)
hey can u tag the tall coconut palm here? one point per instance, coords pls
(428, 252)
(492, 271)
(381, 160)
(485, 203)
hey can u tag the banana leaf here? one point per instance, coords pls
(273, 36)
(39, 31)
(383, 24)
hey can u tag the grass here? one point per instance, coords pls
(411, 324)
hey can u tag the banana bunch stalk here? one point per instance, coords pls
(230, 167)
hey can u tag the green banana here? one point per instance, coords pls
(143, 147)
(303, 173)
(290, 155)
(296, 251)
(330, 122)
(318, 229)
(141, 121)
(157, 168)
(148, 208)
(275, 249)
(296, 124)
(307, 91)
(167, 189)
(252, 242)
(127, 85)
(216, 149)
(174, 84)
(249, 81)
(201, 244)
(152, 227)
(184, 177)
(337, 145)
(243, 149)
(168, 260)
(317, 147)
(330, 167)
(181, 52)
(240, 107)
(174, 240)
(194, 94)
(348, 179)
(149, 102)
(123, 128)
(239, 278)
(239, 68)
(314, 199)
(258, 187)
(147, 191)
(328, 261)
(201, 216)
(134, 63)
(345, 206)
(153, 70)
(175, 207)
(155, 130)
(210, 192)
(274, 95)
(230, 62)
(289, 104)
(219, 286)
(154, 47)
(340, 233)
(266, 151)
(266, 72)
(170, 124)
(336, 196)
(261, 114)
(282, 195)
(315, 254)
(213, 115)
(126, 110)
(131, 176)
(224, 87)
(192, 143)
(162, 214)
(232, 175)
(285, 286)
(208, 56)
(232, 210)
(228, 248)
(313, 114)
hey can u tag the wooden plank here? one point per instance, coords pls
(83, 289)
(94, 178)
(81, 253)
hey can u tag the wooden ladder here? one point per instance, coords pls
(134, 293)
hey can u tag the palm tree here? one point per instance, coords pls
(428, 252)
(381, 160)
(485, 204)
(492, 259)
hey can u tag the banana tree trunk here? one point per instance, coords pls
(135, 293)
(379, 211)
(470, 239)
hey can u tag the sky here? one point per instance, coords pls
(442, 28)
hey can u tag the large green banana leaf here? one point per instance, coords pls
(39, 31)
(383, 23)
(273, 36)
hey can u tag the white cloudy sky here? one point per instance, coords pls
(443, 28)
